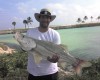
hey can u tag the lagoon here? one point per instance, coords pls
(81, 42)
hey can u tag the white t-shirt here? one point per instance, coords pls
(45, 67)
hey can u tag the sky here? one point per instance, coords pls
(66, 11)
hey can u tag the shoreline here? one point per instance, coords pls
(80, 25)
(2, 32)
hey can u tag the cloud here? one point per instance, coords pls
(68, 13)
(22, 7)
(25, 8)
(16, 19)
(94, 9)
(3, 11)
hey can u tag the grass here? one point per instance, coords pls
(13, 67)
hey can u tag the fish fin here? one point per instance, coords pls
(37, 58)
(81, 64)
(62, 65)
(64, 47)
(22, 48)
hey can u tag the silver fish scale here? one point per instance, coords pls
(50, 48)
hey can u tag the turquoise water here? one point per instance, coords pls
(7, 38)
(81, 42)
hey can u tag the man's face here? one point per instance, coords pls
(44, 21)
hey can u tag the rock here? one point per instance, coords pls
(9, 48)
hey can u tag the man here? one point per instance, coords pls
(46, 69)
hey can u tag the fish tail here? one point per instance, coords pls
(80, 65)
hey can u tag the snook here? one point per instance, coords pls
(43, 49)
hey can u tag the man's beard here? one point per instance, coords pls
(44, 25)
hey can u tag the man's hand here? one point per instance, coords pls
(53, 59)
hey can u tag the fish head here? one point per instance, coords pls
(25, 42)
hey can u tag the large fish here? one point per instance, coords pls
(43, 49)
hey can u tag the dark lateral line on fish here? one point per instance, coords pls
(73, 61)
(53, 52)
(47, 49)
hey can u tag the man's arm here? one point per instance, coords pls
(56, 40)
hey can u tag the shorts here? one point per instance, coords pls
(45, 77)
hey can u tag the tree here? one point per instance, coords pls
(29, 20)
(98, 18)
(79, 20)
(85, 18)
(14, 24)
(91, 18)
(25, 22)
(83, 22)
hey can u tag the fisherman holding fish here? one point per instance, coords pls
(45, 52)
(46, 69)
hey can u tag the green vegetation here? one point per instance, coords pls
(90, 73)
(14, 24)
(27, 21)
(13, 67)
(85, 18)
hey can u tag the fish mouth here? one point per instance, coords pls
(18, 36)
